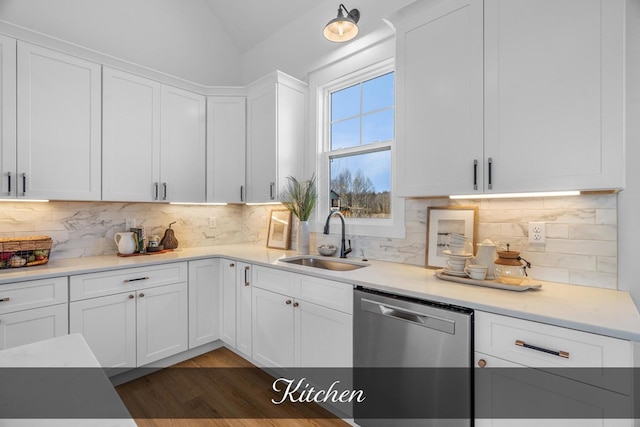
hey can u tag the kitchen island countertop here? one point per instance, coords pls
(601, 311)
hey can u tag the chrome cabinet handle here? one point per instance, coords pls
(242, 193)
(246, 281)
(490, 183)
(475, 174)
(271, 185)
(5, 299)
(135, 280)
(164, 191)
(24, 184)
(157, 189)
(9, 179)
(563, 354)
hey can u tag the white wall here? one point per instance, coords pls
(180, 38)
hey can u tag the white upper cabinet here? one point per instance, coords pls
(7, 117)
(183, 146)
(226, 149)
(131, 137)
(153, 141)
(554, 101)
(509, 96)
(275, 135)
(439, 98)
(58, 125)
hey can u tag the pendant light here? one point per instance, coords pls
(343, 28)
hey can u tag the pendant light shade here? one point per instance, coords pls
(343, 28)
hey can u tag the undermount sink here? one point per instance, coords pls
(335, 264)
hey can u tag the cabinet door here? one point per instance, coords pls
(554, 94)
(261, 143)
(7, 117)
(59, 125)
(504, 385)
(324, 337)
(25, 327)
(204, 301)
(243, 308)
(273, 333)
(131, 138)
(226, 148)
(162, 322)
(182, 152)
(439, 84)
(108, 324)
(228, 327)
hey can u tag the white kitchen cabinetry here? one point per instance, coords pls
(204, 301)
(33, 311)
(153, 141)
(58, 126)
(243, 308)
(301, 321)
(275, 134)
(505, 342)
(7, 117)
(228, 290)
(132, 317)
(226, 149)
(550, 117)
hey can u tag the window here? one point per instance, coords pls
(360, 138)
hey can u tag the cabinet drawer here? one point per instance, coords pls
(28, 326)
(524, 342)
(497, 335)
(273, 280)
(32, 294)
(327, 293)
(93, 285)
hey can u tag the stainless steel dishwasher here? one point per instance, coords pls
(412, 359)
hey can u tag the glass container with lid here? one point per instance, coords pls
(510, 268)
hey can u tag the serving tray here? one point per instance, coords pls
(440, 274)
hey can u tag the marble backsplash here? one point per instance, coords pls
(581, 245)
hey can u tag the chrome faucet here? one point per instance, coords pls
(343, 249)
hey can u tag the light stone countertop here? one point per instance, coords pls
(601, 311)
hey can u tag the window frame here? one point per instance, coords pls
(375, 227)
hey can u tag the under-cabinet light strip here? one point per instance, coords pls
(515, 195)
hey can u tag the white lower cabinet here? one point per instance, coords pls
(228, 288)
(142, 323)
(204, 301)
(33, 311)
(298, 322)
(243, 308)
(599, 395)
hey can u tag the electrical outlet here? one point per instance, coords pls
(537, 232)
(213, 222)
(129, 223)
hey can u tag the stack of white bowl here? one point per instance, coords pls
(459, 251)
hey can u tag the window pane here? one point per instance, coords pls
(363, 184)
(345, 134)
(378, 93)
(345, 103)
(377, 127)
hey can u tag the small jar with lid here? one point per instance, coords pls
(510, 268)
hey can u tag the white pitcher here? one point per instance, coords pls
(127, 243)
(486, 255)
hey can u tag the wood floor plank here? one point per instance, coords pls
(216, 397)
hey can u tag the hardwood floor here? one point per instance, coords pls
(215, 397)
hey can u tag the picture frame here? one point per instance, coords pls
(279, 233)
(441, 221)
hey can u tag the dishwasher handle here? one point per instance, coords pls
(421, 319)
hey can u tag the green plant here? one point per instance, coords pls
(300, 197)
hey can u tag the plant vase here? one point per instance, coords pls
(303, 237)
